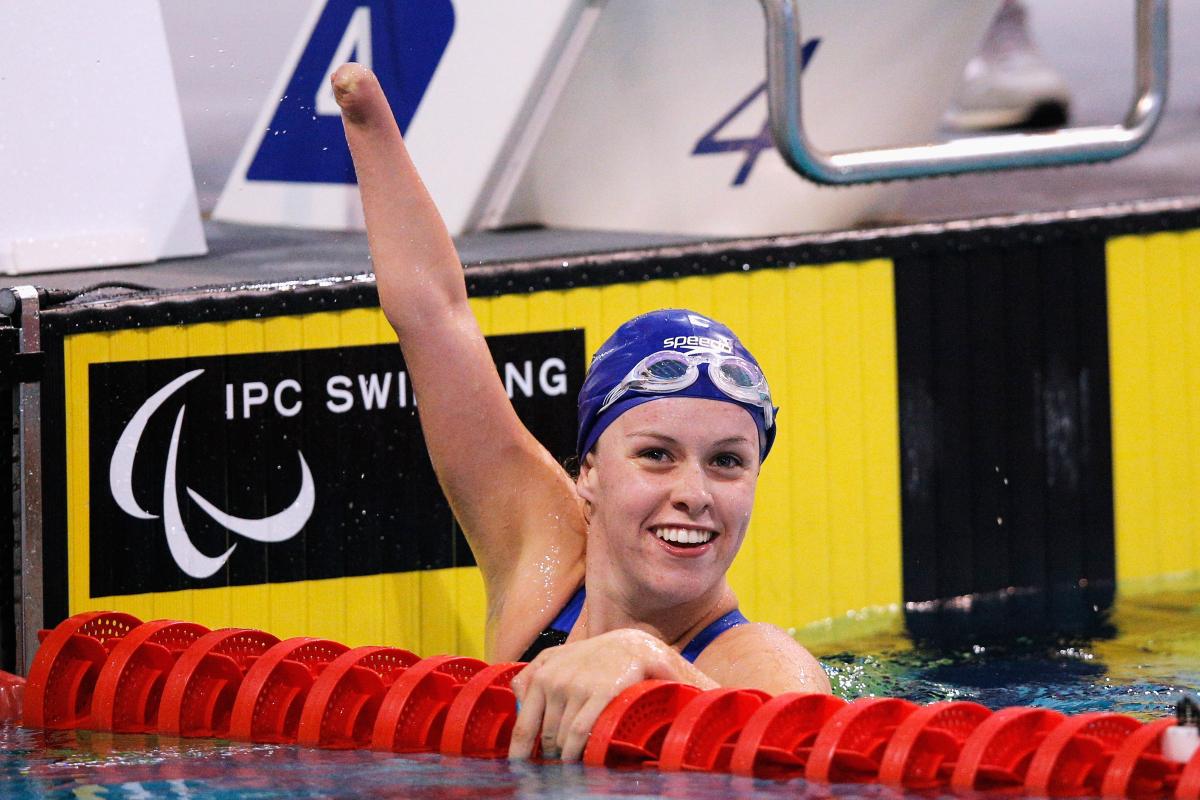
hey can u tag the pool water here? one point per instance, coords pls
(1147, 655)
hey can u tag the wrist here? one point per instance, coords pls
(657, 659)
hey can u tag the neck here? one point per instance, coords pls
(610, 607)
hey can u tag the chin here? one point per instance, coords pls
(672, 589)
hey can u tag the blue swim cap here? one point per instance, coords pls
(676, 329)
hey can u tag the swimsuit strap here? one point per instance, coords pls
(566, 619)
(557, 631)
(714, 629)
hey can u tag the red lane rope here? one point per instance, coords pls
(130, 683)
(479, 722)
(341, 706)
(58, 693)
(1073, 757)
(997, 755)
(412, 714)
(200, 689)
(110, 671)
(630, 731)
(1138, 768)
(778, 739)
(925, 747)
(850, 746)
(268, 703)
(704, 733)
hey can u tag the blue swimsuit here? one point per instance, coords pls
(560, 628)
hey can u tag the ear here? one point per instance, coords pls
(586, 483)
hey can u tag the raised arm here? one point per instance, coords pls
(512, 499)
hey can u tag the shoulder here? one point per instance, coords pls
(758, 655)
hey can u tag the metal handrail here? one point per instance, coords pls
(31, 616)
(967, 154)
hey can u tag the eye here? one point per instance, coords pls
(728, 461)
(656, 454)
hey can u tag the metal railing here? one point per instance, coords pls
(24, 304)
(960, 155)
(9, 489)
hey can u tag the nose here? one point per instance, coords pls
(690, 492)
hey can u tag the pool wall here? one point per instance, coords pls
(1154, 324)
(1002, 406)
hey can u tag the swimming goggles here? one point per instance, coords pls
(669, 371)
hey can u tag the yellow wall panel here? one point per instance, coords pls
(1154, 345)
(581, 309)
(1189, 247)
(656, 294)
(845, 475)
(880, 434)
(546, 311)
(807, 433)
(694, 292)
(509, 314)
(617, 304)
(771, 532)
(83, 351)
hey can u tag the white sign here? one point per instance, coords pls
(94, 167)
(459, 76)
(663, 124)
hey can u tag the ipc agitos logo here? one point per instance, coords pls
(274, 528)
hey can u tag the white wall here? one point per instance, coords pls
(226, 55)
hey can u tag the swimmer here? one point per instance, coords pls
(618, 575)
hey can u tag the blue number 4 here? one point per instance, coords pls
(752, 146)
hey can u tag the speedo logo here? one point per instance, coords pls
(715, 344)
(274, 528)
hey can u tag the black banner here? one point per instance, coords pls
(1005, 439)
(287, 466)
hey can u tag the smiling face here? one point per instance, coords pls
(670, 485)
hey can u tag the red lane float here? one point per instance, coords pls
(924, 749)
(413, 712)
(130, 684)
(777, 740)
(703, 735)
(997, 755)
(631, 729)
(479, 722)
(1138, 768)
(109, 671)
(1073, 757)
(850, 747)
(343, 702)
(1188, 787)
(268, 703)
(197, 700)
(64, 670)
(12, 693)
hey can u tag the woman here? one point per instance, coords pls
(674, 423)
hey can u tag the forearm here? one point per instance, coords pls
(480, 449)
(417, 269)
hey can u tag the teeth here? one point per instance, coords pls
(683, 535)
